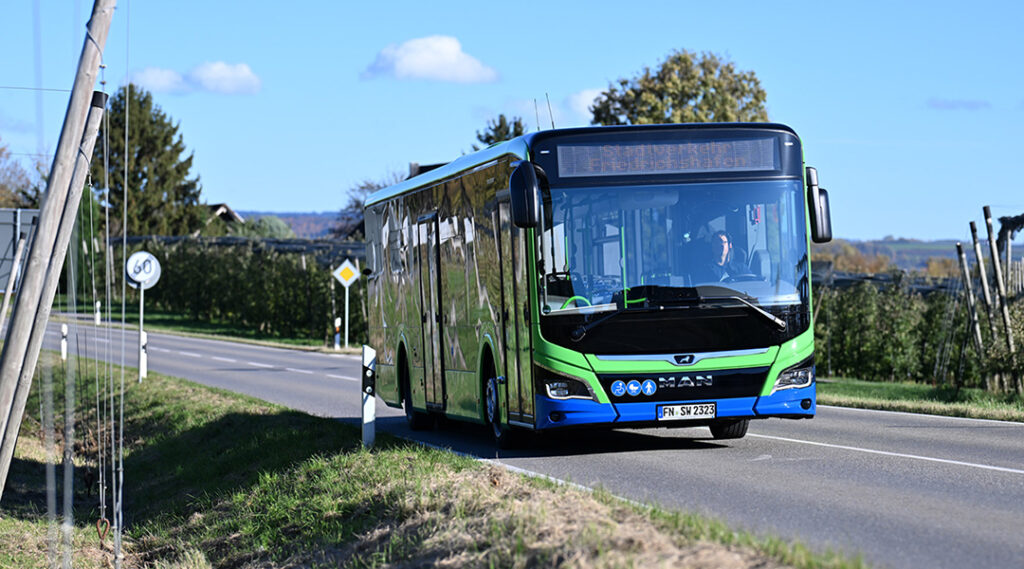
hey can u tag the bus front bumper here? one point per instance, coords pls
(798, 403)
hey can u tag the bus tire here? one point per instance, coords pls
(416, 420)
(504, 438)
(734, 429)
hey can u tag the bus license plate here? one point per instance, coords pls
(686, 412)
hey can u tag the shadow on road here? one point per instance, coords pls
(476, 440)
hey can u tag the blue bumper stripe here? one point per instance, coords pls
(787, 402)
(554, 413)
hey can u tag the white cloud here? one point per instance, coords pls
(213, 77)
(437, 58)
(160, 80)
(220, 77)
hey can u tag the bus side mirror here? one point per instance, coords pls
(524, 195)
(817, 201)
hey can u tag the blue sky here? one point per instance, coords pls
(913, 113)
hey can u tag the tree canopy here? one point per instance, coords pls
(500, 130)
(17, 188)
(265, 226)
(163, 198)
(686, 87)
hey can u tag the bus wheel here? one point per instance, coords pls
(735, 429)
(503, 436)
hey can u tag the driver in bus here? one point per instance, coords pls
(722, 263)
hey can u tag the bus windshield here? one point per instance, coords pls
(608, 248)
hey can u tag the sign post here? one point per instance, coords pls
(346, 274)
(142, 271)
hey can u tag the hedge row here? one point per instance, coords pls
(273, 294)
(892, 333)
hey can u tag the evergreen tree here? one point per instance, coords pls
(500, 130)
(686, 87)
(162, 198)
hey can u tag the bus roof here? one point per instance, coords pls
(520, 148)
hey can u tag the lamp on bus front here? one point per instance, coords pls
(524, 195)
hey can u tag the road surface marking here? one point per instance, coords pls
(343, 377)
(925, 415)
(257, 364)
(155, 349)
(190, 354)
(298, 370)
(220, 359)
(895, 454)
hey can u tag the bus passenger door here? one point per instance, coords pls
(430, 294)
(515, 295)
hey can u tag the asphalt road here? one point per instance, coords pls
(906, 491)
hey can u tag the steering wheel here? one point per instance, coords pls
(576, 298)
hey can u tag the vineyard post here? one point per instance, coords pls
(975, 327)
(984, 281)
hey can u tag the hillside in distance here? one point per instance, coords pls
(312, 225)
(910, 254)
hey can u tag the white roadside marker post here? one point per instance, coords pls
(369, 395)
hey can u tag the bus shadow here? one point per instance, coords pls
(477, 440)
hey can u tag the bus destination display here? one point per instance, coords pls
(622, 159)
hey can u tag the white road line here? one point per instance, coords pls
(894, 454)
(155, 349)
(257, 364)
(306, 371)
(220, 359)
(191, 354)
(342, 377)
(926, 415)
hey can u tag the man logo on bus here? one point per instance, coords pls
(619, 388)
(685, 381)
(684, 360)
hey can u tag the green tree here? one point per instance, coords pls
(686, 87)
(267, 226)
(16, 186)
(351, 216)
(162, 197)
(500, 130)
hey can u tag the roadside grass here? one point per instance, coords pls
(215, 479)
(920, 398)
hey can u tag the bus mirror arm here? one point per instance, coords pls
(524, 195)
(817, 201)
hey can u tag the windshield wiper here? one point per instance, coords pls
(767, 315)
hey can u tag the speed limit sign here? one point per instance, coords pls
(142, 269)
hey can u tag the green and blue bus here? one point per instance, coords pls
(601, 277)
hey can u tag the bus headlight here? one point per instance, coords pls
(800, 375)
(558, 386)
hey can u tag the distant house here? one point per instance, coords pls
(223, 211)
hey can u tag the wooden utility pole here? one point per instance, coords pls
(32, 308)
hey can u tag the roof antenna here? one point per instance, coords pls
(537, 112)
(549, 111)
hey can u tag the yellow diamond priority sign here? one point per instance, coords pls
(347, 273)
